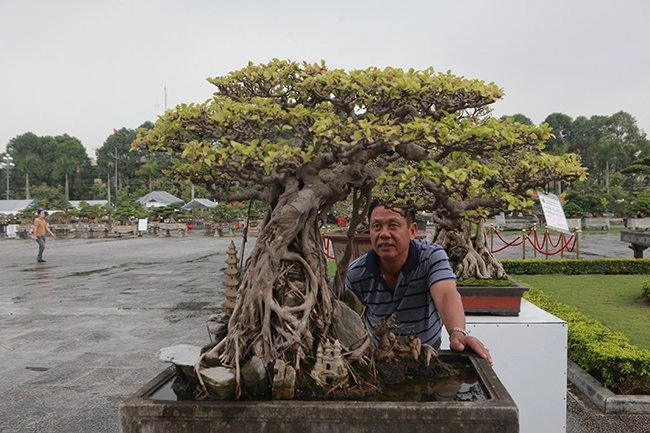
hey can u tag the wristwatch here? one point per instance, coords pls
(461, 330)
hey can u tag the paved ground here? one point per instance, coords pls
(81, 333)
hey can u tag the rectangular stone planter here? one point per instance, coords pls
(498, 413)
(493, 300)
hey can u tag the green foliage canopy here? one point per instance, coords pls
(336, 130)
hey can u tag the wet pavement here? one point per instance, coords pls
(81, 332)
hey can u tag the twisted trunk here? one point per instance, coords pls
(470, 257)
(285, 303)
(27, 192)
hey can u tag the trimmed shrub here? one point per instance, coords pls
(603, 353)
(577, 267)
(645, 290)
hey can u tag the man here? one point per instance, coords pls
(40, 230)
(411, 279)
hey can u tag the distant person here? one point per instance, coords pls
(40, 230)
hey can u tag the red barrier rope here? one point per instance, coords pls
(326, 246)
(567, 245)
(532, 238)
(543, 244)
(515, 243)
(575, 241)
(560, 239)
(539, 250)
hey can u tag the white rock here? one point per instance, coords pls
(220, 381)
(182, 355)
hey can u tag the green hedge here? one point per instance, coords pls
(605, 354)
(645, 290)
(577, 267)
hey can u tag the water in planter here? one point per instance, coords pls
(466, 386)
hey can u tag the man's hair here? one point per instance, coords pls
(406, 211)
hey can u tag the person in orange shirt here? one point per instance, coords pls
(40, 230)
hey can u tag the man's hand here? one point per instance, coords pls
(459, 342)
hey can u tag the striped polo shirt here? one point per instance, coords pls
(411, 300)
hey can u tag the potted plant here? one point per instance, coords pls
(301, 137)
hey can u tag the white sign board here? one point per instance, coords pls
(142, 224)
(553, 212)
(12, 229)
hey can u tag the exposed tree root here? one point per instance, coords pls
(285, 302)
(470, 256)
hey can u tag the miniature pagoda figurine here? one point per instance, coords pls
(231, 281)
(329, 368)
(284, 381)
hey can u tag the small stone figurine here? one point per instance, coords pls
(231, 281)
(329, 368)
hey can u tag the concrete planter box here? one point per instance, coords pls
(498, 413)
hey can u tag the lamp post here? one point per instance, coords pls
(7, 163)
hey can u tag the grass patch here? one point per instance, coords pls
(613, 300)
(331, 268)
(475, 282)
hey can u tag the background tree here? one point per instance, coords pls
(301, 137)
(65, 167)
(72, 165)
(28, 165)
(619, 143)
(521, 118)
(32, 156)
(173, 212)
(98, 190)
(559, 142)
(229, 212)
(93, 212)
(608, 147)
(115, 150)
(641, 206)
(50, 197)
(129, 210)
(607, 144)
(26, 216)
(589, 197)
(149, 169)
(638, 174)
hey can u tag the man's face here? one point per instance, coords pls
(390, 234)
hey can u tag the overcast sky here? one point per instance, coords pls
(84, 67)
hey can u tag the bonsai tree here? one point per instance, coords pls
(475, 174)
(302, 137)
(129, 210)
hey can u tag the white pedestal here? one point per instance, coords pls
(530, 358)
